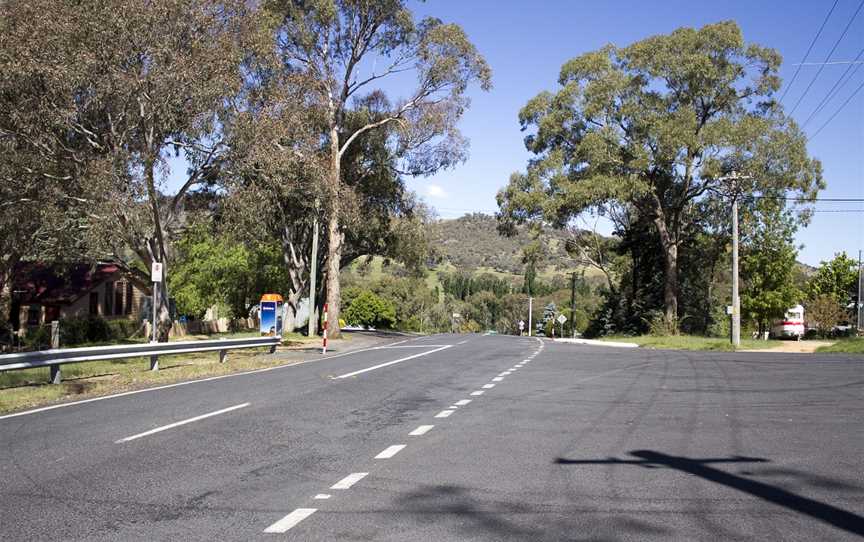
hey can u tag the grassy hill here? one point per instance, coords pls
(472, 242)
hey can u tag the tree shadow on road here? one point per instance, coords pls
(826, 513)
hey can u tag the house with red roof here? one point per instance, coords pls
(43, 293)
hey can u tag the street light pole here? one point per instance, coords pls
(860, 305)
(736, 300)
(530, 303)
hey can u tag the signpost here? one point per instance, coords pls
(156, 277)
(521, 327)
(561, 320)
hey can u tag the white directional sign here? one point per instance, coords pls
(561, 318)
(521, 325)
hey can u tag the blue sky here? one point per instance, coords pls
(526, 43)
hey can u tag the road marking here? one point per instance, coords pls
(505, 373)
(444, 413)
(498, 379)
(322, 496)
(178, 424)
(462, 342)
(400, 360)
(390, 451)
(422, 430)
(478, 392)
(462, 402)
(350, 480)
(525, 360)
(488, 386)
(290, 520)
(410, 346)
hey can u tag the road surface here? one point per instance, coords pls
(456, 437)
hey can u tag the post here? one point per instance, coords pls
(154, 363)
(223, 355)
(153, 322)
(736, 302)
(55, 334)
(313, 271)
(530, 304)
(860, 305)
(55, 374)
(324, 349)
(572, 306)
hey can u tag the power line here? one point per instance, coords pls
(839, 109)
(827, 58)
(837, 86)
(807, 54)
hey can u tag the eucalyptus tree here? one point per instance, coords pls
(132, 81)
(350, 48)
(655, 128)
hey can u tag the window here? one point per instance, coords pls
(128, 305)
(118, 299)
(108, 301)
(94, 303)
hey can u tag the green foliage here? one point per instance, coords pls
(844, 346)
(214, 269)
(837, 278)
(647, 133)
(88, 329)
(823, 313)
(370, 310)
(768, 269)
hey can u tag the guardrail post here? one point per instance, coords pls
(55, 374)
(223, 354)
(154, 363)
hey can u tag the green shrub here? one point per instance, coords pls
(369, 310)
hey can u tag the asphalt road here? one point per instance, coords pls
(576, 443)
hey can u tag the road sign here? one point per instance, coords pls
(521, 325)
(561, 318)
(156, 272)
(457, 315)
(729, 309)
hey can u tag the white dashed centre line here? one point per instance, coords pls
(422, 430)
(462, 402)
(478, 392)
(498, 379)
(350, 480)
(290, 520)
(390, 451)
(444, 413)
(322, 496)
(488, 386)
(505, 373)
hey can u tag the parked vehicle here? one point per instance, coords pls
(791, 326)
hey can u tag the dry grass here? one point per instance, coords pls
(30, 388)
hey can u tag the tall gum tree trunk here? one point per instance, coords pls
(334, 241)
(670, 273)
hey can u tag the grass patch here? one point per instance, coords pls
(844, 346)
(29, 388)
(690, 342)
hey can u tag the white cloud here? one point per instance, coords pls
(435, 191)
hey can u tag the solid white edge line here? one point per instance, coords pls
(182, 422)
(290, 520)
(444, 413)
(478, 392)
(185, 383)
(350, 480)
(462, 402)
(422, 430)
(400, 360)
(390, 451)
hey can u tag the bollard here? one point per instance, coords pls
(324, 348)
(154, 363)
(55, 374)
(223, 355)
(55, 334)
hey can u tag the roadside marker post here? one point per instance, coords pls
(324, 349)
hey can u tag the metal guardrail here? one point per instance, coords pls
(56, 357)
